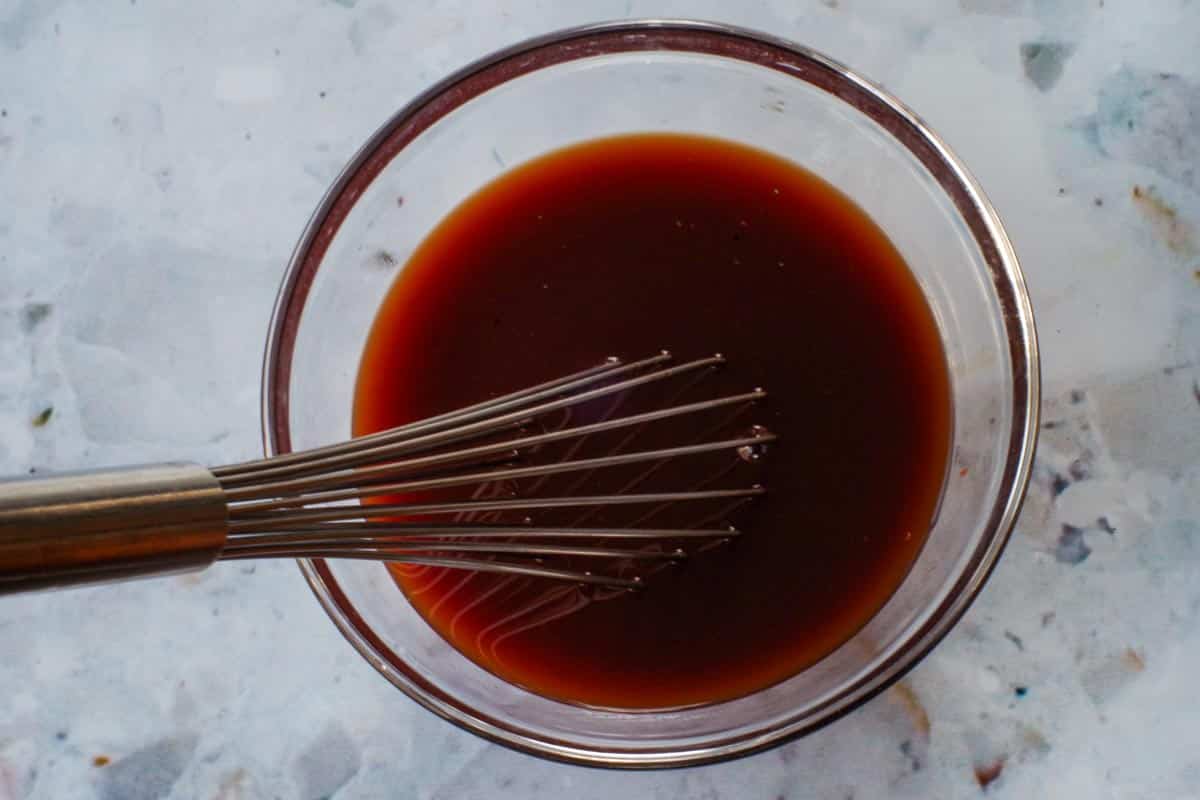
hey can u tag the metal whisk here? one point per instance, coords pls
(368, 498)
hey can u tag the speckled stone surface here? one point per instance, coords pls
(157, 162)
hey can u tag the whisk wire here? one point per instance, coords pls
(367, 498)
(611, 368)
(510, 474)
(288, 517)
(506, 450)
(354, 453)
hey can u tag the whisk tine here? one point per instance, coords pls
(609, 369)
(600, 370)
(372, 532)
(489, 548)
(508, 449)
(531, 570)
(354, 453)
(288, 517)
(514, 473)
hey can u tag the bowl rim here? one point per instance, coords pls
(700, 37)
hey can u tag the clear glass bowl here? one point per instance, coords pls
(687, 77)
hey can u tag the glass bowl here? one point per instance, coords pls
(704, 78)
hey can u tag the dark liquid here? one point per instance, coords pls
(626, 246)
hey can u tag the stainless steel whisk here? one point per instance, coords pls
(113, 524)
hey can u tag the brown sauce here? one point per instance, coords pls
(628, 245)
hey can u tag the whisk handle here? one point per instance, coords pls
(104, 525)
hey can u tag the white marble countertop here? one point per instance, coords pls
(157, 162)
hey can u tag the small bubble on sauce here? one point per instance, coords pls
(756, 450)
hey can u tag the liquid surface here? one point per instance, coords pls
(633, 244)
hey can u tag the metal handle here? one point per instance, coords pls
(113, 524)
